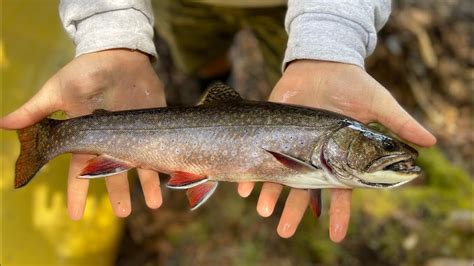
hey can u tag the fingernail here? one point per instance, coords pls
(74, 214)
(243, 190)
(285, 231)
(264, 210)
(155, 203)
(337, 228)
(122, 211)
(286, 227)
(245, 193)
(336, 231)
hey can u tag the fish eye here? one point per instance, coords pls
(389, 145)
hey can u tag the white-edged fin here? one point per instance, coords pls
(199, 194)
(104, 165)
(292, 162)
(218, 92)
(185, 180)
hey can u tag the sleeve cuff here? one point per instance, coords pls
(127, 28)
(327, 37)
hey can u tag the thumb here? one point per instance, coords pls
(389, 112)
(43, 103)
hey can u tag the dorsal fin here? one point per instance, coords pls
(219, 92)
(100, 111)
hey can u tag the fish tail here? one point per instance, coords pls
(33, 155)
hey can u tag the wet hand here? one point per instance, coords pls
(345, 89)
(116, 79)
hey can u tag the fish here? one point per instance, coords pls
(225, 138)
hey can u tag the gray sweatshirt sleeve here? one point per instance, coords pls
(334, 30)
(96, 25)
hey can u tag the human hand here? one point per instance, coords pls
(345, 89)
(115, 79)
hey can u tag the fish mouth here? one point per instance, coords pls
(390, 171)
(403, 166)
(394, 162)
(381, 185)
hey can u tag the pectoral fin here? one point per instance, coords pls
(315, 201)
(201, 193)
(104, 165)
(292, 162)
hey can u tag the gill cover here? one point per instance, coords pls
(361, 157)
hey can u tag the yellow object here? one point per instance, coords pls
(35, 227)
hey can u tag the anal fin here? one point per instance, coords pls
(315, 201)
(104, 165)
(201, 193)
(185, 180)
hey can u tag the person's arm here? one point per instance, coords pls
(338, 31)
(97, 25)
(323, 68)
(112, 71)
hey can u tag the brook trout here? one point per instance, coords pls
(225, 138)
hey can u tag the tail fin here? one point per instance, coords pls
(32, 154)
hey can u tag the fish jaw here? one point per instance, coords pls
(394, 172)
(314, 180)
(385, 179)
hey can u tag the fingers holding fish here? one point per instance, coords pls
(245, 188)
(295, 207)
(77, 187)
(388, 112)
(339, 213)
(42, 104)
(119, 194)
(287, 145)
(268, 198)
(150, 182)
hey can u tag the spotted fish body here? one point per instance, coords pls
(225, 138)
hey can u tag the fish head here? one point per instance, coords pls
(360, 157)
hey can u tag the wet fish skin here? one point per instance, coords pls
(225, 138)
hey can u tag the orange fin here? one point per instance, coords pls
(199, 194)
(185, 180)
(291, 162)
(104, 165)
(32, 155)
(315, 201)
